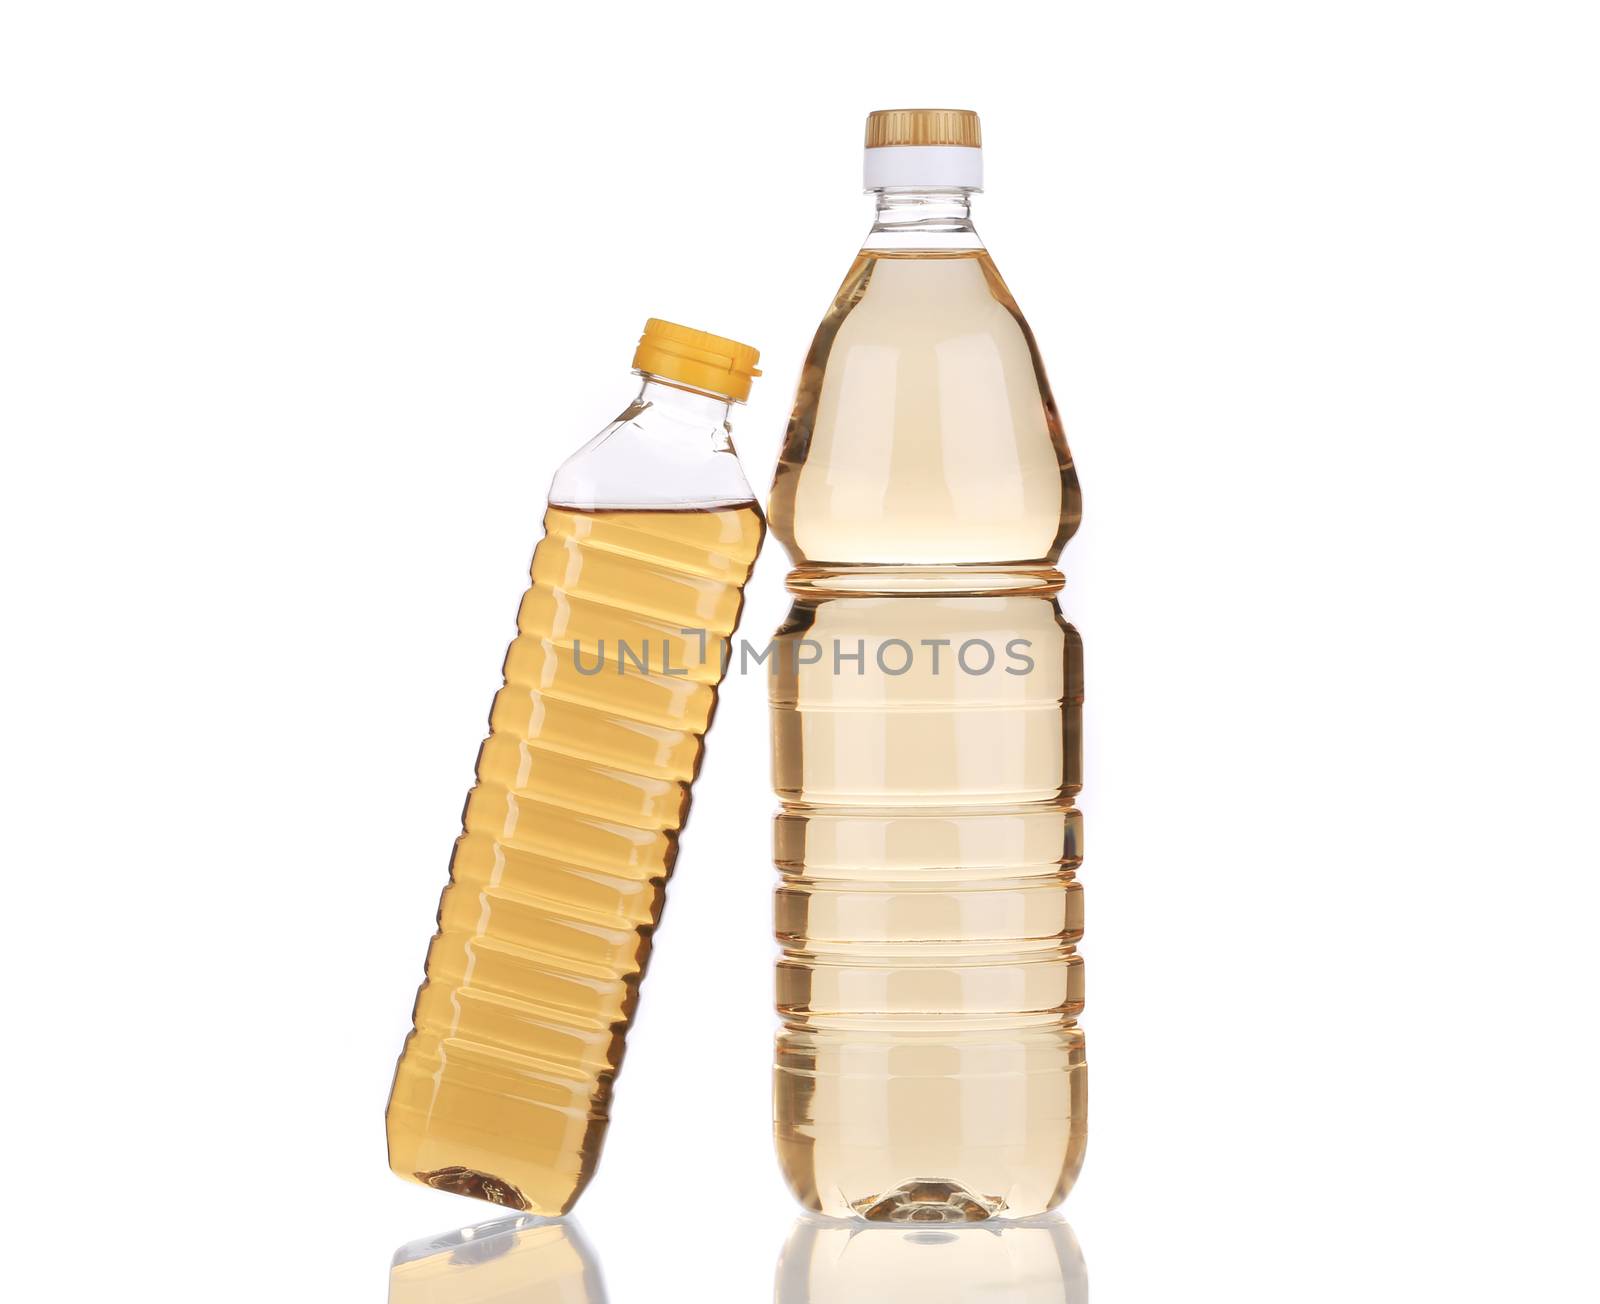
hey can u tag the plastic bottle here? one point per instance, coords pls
(926, 708)
(557, 881)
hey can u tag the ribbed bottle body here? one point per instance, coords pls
(929, 1063)
(927, 721)
(568, 839)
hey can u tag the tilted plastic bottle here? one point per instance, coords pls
(926, 709)
(556, 885)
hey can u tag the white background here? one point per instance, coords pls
(303, 303)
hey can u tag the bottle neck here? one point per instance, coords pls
(692, 406)
(923, 218)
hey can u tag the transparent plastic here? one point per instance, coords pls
(1034, 1261)
(583, 785)
(518, 1260)
(927, 710)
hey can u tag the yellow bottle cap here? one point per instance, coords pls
(696, 358)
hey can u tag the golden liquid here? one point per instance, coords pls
(569, 836)
(514, 1261)
(929, 1066)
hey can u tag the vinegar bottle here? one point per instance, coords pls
(926, 709)
(556, 885)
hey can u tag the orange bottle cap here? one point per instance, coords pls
(696, 358)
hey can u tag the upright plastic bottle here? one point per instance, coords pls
(926, 707)
(556, 885)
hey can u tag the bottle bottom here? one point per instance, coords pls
(497, 1155)
(932, 1128)
(924, 1201)
(929, 1200)
(480, 1186)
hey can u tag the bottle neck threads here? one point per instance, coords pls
(923, 218)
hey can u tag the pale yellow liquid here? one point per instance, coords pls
(929, 1066)
(924, 432)
(569, 836)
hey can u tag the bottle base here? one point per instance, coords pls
(929, 1200)
(542, 1182)
(940, 1125)
(480, 1186)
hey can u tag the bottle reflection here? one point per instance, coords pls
(1030, 1261)
(520, 1260)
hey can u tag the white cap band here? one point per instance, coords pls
(891, 167)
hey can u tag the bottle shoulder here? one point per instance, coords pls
(653, 457)
(924, 431)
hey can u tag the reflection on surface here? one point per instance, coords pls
(519, 1260)
(527, 1260)
(1031, 1261)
